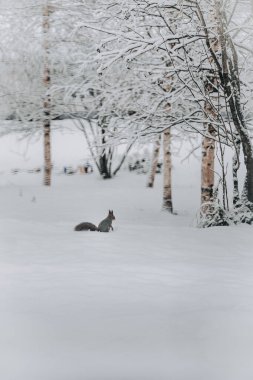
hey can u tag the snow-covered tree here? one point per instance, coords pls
(175, 44)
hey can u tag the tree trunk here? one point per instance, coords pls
(235, 168)
(104, 159)
(230, 79)
(103, 165)
(211, 111)
(207, 168)
(47, 102)
(167, 166)
(154, 162)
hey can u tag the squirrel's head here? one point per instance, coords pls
(111, 215)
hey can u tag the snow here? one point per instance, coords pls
(156, 299)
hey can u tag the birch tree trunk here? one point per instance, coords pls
(167, 166)
(207, 168)
(47, 101)
(154, 162)
(211, 110)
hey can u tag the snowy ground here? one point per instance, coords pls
(156, 299)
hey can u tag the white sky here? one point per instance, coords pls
(67, 149)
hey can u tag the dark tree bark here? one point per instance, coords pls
(105, 159)
(235, 168)
(230, 80)
(47, 101)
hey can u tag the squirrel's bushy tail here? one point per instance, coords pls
(85, 226)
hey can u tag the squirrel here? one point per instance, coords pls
(103, 226)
